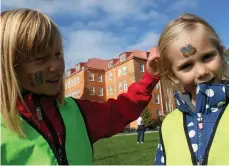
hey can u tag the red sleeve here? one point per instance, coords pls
(106, 119)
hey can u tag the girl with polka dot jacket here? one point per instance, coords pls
(192, 59)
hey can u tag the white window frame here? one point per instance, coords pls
(157, 86)
(92, 91)
(142, 67)
(108, 90)
(110, 76)
(111, 90)
(78, 67)
(100, 78)
(125, 85)
(124, 70)
(100, 91)
(110, 64)
(157, 99)
(78, 93)
(91, 76)
(122, 57)
(119, 72)
(120, 86)
(77, 79)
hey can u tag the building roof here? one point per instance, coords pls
(97, 63)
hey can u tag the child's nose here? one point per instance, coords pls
(201, 72)
(55, 65)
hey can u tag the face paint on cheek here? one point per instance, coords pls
(38, 76)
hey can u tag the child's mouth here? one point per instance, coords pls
(53, 80)
(211, 81)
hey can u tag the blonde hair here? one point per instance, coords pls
(174, 29)
(23, 33)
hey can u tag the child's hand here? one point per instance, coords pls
(153, 65)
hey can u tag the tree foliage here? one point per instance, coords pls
(147, 119)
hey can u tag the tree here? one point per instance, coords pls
(227, 51)
(147, 119)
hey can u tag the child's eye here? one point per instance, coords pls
(208, 57)
(40, 58)
(185, 67)
(59, 55)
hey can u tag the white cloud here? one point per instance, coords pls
(85, 44)
(116, 9)
(181, 5)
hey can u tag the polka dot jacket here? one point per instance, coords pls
(210, 101)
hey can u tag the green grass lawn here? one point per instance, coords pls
(124, 150)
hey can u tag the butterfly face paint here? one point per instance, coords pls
(188, 50)
(38, 78)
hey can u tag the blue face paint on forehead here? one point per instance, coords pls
(188, 50)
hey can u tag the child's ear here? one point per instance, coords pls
(173, 78)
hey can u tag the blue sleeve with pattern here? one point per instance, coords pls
(159, 159)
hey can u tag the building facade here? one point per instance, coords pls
(98, 80)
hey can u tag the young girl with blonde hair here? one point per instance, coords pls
(39, 125)
(192, 58)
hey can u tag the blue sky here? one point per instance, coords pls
(106, 28)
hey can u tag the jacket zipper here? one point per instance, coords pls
(58, 152)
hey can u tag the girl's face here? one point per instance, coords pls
(202, 62)
(43, 72)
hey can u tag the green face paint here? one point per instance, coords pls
(38, 78)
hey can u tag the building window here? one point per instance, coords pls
(78, 93)
(142, 69)
(100, 91)
(78, 67)
(92, 90)
(125, 85)
(91, 77)
(69, 84)
(124, 70)
(120, 86)
(119, 72)
(110, 76)
(158, 113)
(157, 86)
(110, 64)
(157, 100)
(109, 90)
(100, 78)
(77, 79)
(122, 57)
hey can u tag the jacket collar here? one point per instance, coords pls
(208, 96)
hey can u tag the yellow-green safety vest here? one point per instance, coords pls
(34, 149)
(177, 146)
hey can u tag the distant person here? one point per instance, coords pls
(140, 130)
